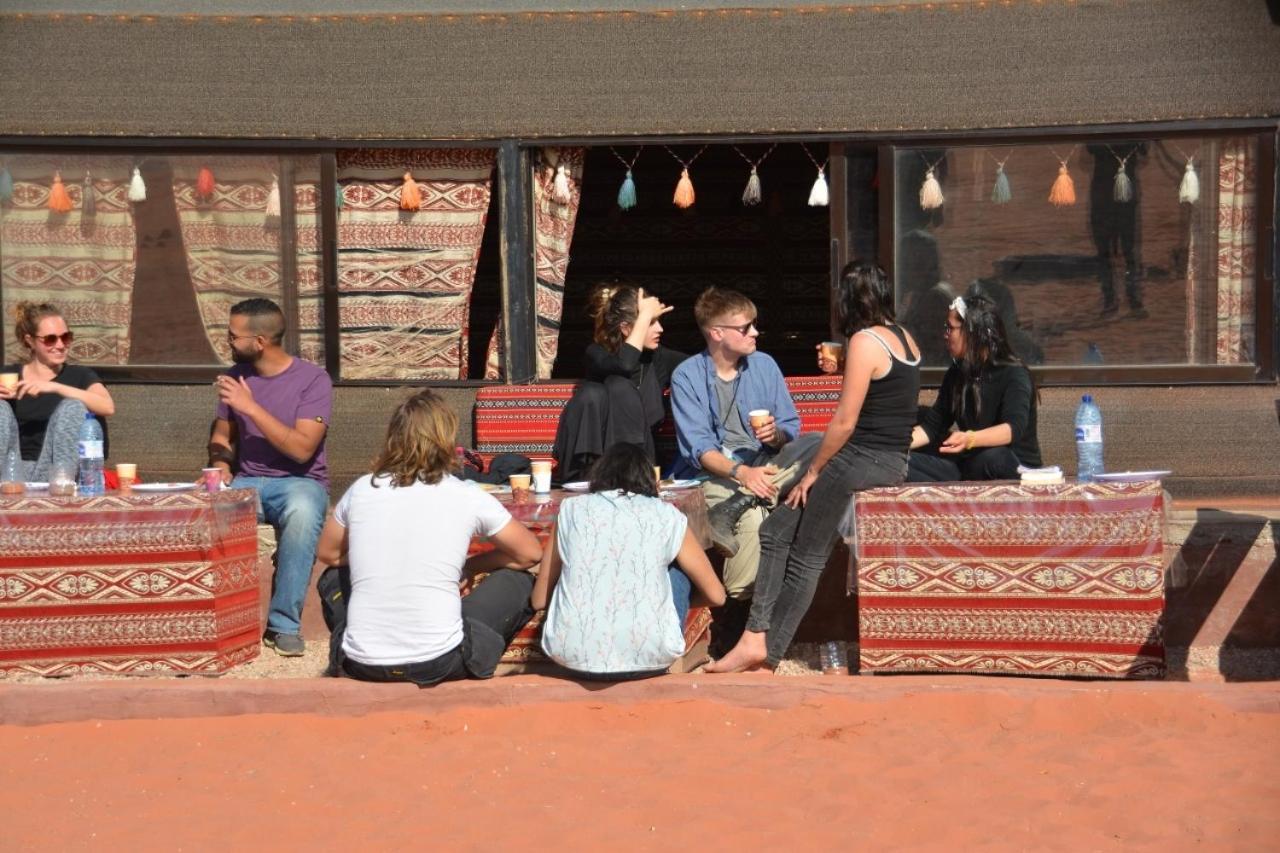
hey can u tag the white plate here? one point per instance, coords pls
(579, 486)
(37, 487)
(1131, 476)
(164, 487)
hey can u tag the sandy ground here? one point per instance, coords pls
(885, 762)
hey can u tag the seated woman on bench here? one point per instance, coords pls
(616, 575)
(987, 395)
(620, 396)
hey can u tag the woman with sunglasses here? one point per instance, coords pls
(627, 370)
(42, 413)
(983, 424)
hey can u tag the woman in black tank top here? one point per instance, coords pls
(864, 446)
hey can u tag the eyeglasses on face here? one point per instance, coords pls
(233, 337)
(948, 329)
(742, 330)
(50, 340)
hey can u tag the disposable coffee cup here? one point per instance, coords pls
(758, 417)
(832, 351)
(127, 474)
(9, 381)
(541, 477)
(212, 479)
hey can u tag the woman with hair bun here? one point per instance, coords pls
(983, 424)
(620, 396)
(42, 413)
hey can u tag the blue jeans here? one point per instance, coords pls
(295, 507)
(681, 589)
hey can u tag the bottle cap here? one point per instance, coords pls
(1087, 398)
(88, 416)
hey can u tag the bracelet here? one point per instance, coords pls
(733, 472)
(218, 453)
(969, 446)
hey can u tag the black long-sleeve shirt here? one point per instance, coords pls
(1007, 397)
(649, 370)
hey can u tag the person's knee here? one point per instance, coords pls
(995, 463)
(304, 506)
(592, 393)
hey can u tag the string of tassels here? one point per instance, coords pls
(137, 189)
(820, 193)
(273, 201)
(1189, 187)
(931, 197)
(751, 194)
(684, 197)
(627, 191)
(205, 184)
(1063, 191)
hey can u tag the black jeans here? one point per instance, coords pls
(795, 543)
(989, 463)
(491, 616)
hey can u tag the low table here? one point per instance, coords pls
(136, 584)
(1004, 577)
(538, 514)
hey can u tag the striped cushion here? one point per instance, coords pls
(523, 418)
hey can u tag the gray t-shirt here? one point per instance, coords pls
(736, 434)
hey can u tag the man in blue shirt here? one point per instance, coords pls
(713, 396)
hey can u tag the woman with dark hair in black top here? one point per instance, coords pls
(987, 395)
(864, 446)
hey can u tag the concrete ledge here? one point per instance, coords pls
(43, 703)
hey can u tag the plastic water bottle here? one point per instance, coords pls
(90, 445)
(1088, 439)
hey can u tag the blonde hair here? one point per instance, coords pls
(609, 306)
(27, 316)
(716, 303)
(421, 442)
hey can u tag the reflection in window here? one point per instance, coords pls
(1135, 261)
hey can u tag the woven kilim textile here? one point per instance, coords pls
(83, 264)
(1001, 577)
(144, 584)
(405, 277)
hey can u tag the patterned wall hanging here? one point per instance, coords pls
(931, 197)
(1122, 189)
(1063, 191)
(1189, 188)
(684, 196)
(627, 192)
(751, 194)
(1001, 192)
(820, 193)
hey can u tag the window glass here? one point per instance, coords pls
(1102, 252)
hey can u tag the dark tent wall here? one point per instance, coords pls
(362, 71)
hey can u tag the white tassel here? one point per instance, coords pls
(819, 195)
(137, 189)
(273, 200)
(1189, 189)
(560, 186)
(751, 195)
(1123, 190)
(930, 192)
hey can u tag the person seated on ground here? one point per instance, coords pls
(1020, 341)
(987, 395)
(864, 447)
(620, 395)
(750, 467)
(274, 410)
(616, 574)
(41, 416)
(404, 530)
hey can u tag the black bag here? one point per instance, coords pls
(334, 586)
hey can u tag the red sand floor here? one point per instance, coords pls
(939, 763)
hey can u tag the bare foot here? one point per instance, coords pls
(748, 654)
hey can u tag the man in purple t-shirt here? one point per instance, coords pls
(274, 410)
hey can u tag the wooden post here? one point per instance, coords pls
(329, 263)
(519, 316)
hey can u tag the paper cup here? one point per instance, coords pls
(832, 351)
(9, 381)
(212, 479)
(758, 417)
(520, 481)
(541, 477)
(127, 474)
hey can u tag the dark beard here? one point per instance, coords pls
(241, 358)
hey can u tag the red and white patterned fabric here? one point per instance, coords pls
(1006, 578)
(137, 585)
(1237, 207)
(553, 224)
(84, 265)
(405, 277)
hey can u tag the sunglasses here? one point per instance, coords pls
(742, 330)
(50, 340)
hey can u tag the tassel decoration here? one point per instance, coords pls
(1189, 189)
(59, 201)
(137, 189)
(684, 197)
(751, 195)
(560, 193)
(6, 185)
(88, 198)
(1122, 191)
(931, 191)
(627, 193)
(410, 195)
(1063, 191)
(204, 182)
(1001, 192)
(273, 200)
(820, 194)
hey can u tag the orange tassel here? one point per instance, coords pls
(59, 201)
(1063, 193)
(204, 182)
(410, 195)
(684, 196)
